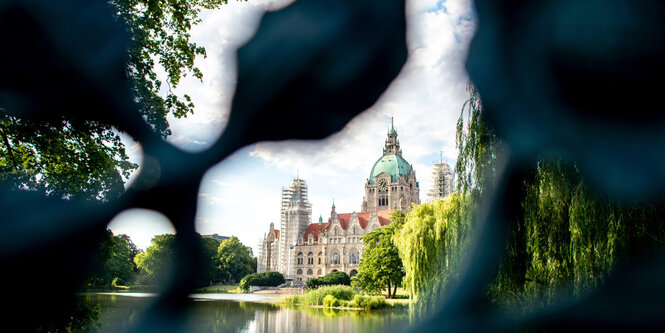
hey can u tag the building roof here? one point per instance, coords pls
(363, 218)
(276, 233)
(392, 164)
(314, 229)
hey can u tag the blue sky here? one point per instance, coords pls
(241, 195)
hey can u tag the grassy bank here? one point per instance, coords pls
(220, 288)
(342, 297)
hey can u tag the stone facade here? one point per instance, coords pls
(301, 251)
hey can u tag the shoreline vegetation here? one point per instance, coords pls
(342, 297)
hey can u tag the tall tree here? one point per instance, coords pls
(380, 266)
(113, 260)
(235, 259)
(158, 260)
(160, 31)
(210, 271)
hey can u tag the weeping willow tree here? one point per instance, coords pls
(431, 243)
(572, 238)
(563, 245)
(435, 235)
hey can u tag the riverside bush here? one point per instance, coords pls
(338, 296)
(368, 302)
(330, 301)
(269, 279)
(331, 279)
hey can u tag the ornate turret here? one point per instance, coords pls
(392, 144)
(392, 181)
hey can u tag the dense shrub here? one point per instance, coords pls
(317, 296)
(334, 278)
(368, 302)
(265, 279)
(330, 301)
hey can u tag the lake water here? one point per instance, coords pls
(245, 313)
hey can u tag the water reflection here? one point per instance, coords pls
(211, 314)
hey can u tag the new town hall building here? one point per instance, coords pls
(301, 250)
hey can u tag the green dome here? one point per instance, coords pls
(394, 165)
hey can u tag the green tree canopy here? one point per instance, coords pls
(157, 262)
(330, 279)
(235, 259)
(77, 159)
(267, 278)
(112, 260)
(380, 266)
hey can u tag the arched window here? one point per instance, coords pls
(299, 272)
(335, 258)
(310, 272)
(300, 258)
(320, 258)
(353, 257)
(353, 273)
(319, 272)
(310, 258)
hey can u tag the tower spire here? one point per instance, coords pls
(392, 145)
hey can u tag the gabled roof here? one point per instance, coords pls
(363, 218)
(314, 229)
(276, 233)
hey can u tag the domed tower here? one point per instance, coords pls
(392, 182)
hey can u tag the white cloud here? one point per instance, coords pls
(425, 100)
(241, 196)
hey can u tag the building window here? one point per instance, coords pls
(320, 256)
(310, 258)
(319, 272)
(300, 258)
(310, 272)
(299, 272)
(353, 258)
(335, 258)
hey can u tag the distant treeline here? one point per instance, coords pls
(118, 262)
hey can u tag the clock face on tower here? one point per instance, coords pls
(383, 185)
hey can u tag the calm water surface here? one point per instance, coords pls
(245, 313)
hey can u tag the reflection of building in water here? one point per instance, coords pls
(301, 250)
(312, 320)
